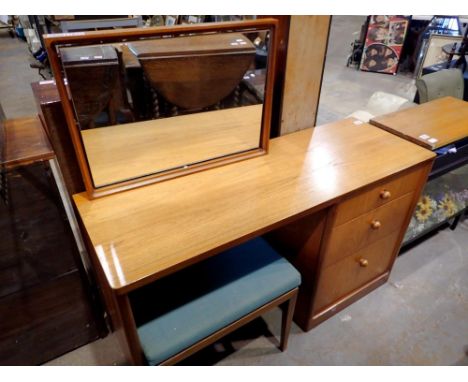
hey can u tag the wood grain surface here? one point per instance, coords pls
(146, 233)
(54, 41)
(308, 39)
(25, 142)
(121, 152)
(193, 45)
(444, 119)
(51, 114)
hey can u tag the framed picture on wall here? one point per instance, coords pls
(435, 52)
(384, 42)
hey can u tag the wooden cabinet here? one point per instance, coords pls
(49, 108)
(46, 308)
(92, 74)
(349, 250)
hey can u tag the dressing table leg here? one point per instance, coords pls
(129, 333)
(120, 316)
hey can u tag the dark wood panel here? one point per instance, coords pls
(218, 43)
(44, 322)
(46, 307)
(52, 116)
(93, 82)
(25, 142)
(37, 243)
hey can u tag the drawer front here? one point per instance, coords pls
(377, 196)
(354, 271)
(366, 229)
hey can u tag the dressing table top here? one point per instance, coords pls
(146, 233)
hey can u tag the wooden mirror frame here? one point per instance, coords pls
(53, 41)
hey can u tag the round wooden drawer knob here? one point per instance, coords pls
(385, 194)
(363, 262)
(376, 224)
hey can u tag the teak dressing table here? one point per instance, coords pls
(334, 199)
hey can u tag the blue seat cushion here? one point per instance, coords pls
(179, 310)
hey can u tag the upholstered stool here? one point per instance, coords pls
(182, 313)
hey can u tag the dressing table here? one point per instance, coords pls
(317, 188)
(335, 200)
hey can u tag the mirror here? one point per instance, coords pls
(168, 103)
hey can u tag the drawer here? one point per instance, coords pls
(350, 237)
(351, 273)
(377, 196)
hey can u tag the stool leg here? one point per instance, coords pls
(286, 320)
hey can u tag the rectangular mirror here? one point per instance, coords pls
(150, 104)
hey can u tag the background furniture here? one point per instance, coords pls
(431, 125)
(218, 63)
(40, 268)
(50, 112)
(443, 83)
(439, 67)
(439, 25)
(441, 126)
(87, 23)
(337, 177)
(93, 76)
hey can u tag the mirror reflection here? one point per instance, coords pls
(159, 104)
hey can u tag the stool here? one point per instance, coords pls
(191, 309)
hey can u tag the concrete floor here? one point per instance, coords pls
(15, 77)
(420, 317)
(350, 86)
